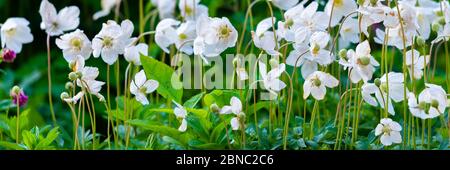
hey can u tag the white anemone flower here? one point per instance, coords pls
(133, 53)
(111, 41)
(88, 76)
(191, 9)
(362, 63)
(337, 9)
(140, 87)
(271, 80)
(165, 8)
(313, 20)
(316, 84)
(285, 4)
(74, 44)
(385, 92)
(287, 28)
(181, 113)
(432, 102)
(416, 63)
(235, 108)
(214, 35)
(389, 131)
(14, 33)
(57, 23)
(265, 39)
(186, 34)
(107, 6)
(317, 54)
(349, 32)
(166, 34)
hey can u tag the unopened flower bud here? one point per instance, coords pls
(274, 62)
(69, 86)
(8, 55)
(420, 41)
(64, 95)
(343, 54)
(73, 76)
(436, 27)
(439, 13)
(373, 2)
(377, 82)
(15, 90)
(214, 108)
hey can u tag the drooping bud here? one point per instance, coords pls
(8, 55)
(15, 90)
(73, 76)
(69, 86)
(214, 108)
(19, 97)
(64, 95)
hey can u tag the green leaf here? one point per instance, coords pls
(193, 100)
(163, 130)
(220, 97)
(162, 73)
(28, 139)
(10, 145)
(51, 136)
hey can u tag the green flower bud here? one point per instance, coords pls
(436, 27)
(364, 60)
(373, 2)
(420, 41)
(439, 13)
(15, 90)
(64, 95)
(69, 86)
(343, 54)
(73, 76)
(377, 82)
(274, 62)
(214, 108)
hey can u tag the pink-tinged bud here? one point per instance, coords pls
(8, 55)
(19, 98)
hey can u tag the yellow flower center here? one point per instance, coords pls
(76, 43)
(338, 3)
(107, 42)
(182, 36)
(386, 130)
(315, 48)
(143, 89)
(224, 32)
(11, 31)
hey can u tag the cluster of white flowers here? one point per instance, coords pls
(303, 26)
